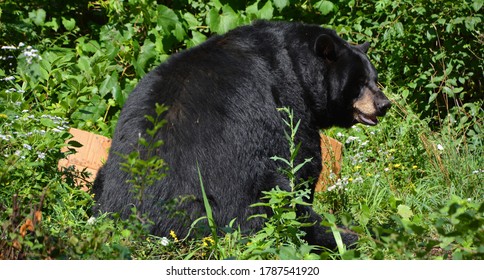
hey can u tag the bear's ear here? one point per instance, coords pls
(325, 47)
(363, 47)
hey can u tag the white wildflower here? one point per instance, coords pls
(91, 221)
(351, 139)
(31, 53)
(9, 78)
(440, 147)
(358, 180)
(41, 155)
(27, 146)
(164, 241)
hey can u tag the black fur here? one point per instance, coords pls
(222, 97)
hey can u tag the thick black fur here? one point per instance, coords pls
(223, 97)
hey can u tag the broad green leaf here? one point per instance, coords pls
(53, 24)
(167, 18)
(179, 32)
(404, 211)
(38, 17)
(147, 52)
(84, 64)
(197, 38)
(92, 46)
(281, 4)
(252, 9)
(432, 97)
(289, 215)
(109, 84)
(228, 20)
(325, 7)
(221, 23)
(477, 5)
(399, 29)
(266, 11)
(191, 20)
(69, 24)
(448, 91)
(47, 122)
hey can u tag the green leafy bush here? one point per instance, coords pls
(411, 187)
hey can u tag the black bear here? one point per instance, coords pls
(223, 97)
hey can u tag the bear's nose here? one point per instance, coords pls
(383, 105)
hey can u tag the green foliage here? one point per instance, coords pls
(147, 168)
(399, 185)
(283, 230)
(410, 187)
(457, 233)
(428, 52)
(43, 213)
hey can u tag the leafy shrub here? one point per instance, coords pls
(405, 186)
(283, 230)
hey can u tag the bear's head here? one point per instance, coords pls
(353, 92)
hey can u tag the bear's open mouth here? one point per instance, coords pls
(366, 119)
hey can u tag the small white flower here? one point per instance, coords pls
(91, 221)
(358, 180)
(386, 169)
(21, 44)
(351, 139)
(339, 135)
(9, 78)
(440, 147)
(27, 146)
(164, 241)
(40, 155)
(19, 154)
(8, 48)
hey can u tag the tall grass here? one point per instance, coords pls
(403, 164)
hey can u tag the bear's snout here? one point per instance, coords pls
(382, 105)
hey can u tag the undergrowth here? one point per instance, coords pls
(411, 187)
